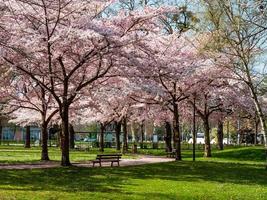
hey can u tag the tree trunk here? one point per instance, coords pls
(64, 140)
(168, 136)
(118, 133)
(256, 129)
(72, 136)
(142, 135)
(101, 138)
(125, 137)
(176, 129)
(207, 152)
(28, 137)
(194, 135)
(133, 132)
(260, 113)
(174, 138)
(264, 130)
(220, 134)
(44, 141)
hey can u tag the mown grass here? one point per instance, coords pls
(245, 155)
(174, 180)
(18, 154)
(232, 154)
(235, 173)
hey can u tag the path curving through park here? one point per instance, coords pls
(53, 164)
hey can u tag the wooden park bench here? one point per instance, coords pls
(107, 158)
(171, 154)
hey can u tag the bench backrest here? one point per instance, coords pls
(108, 156)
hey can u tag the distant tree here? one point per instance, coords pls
(239, 31)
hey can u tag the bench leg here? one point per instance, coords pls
(93, 164)
(100, 164)
(118, 163)
(111, 163)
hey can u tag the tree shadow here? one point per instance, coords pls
(241, 154)
(113, 180)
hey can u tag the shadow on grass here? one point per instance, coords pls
(242, 154)
(113, 180)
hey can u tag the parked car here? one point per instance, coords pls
(213, 141)
(199, 139)
(87, 139)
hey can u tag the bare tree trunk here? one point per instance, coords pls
(194, 129)
(28, 137)
(220, 134)
(133, 132)
(168, 136)
(260, 116)
(142, 135)
(256, 129)
(125, 136)
(44, 141)
(176, 129)
(207, 152)
(101, 138)
(173, 138)
(65, 158)
(118, 133)
(72, 136)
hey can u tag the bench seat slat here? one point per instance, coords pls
(107, 158)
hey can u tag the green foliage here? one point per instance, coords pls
(159, 131)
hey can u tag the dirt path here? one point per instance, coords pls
(124, 162)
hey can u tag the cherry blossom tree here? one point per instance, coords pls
(172, 61)
(70, 45)
(108, 103)
(29, 104)
(210, 89)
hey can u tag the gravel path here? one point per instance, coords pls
(124, 162)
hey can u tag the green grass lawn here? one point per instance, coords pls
(175, 180)
(235, 173)
(18, 154)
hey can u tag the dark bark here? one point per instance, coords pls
(207, 152)
(72, 137)
(176, 132)
(220, 134)
(142, 135)
(28, 137)
(44, 141)
(194, 129)
(173, 138)
(168, 136)
(101, 138)
(64, 139)
(125, 136)
(118, 133)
